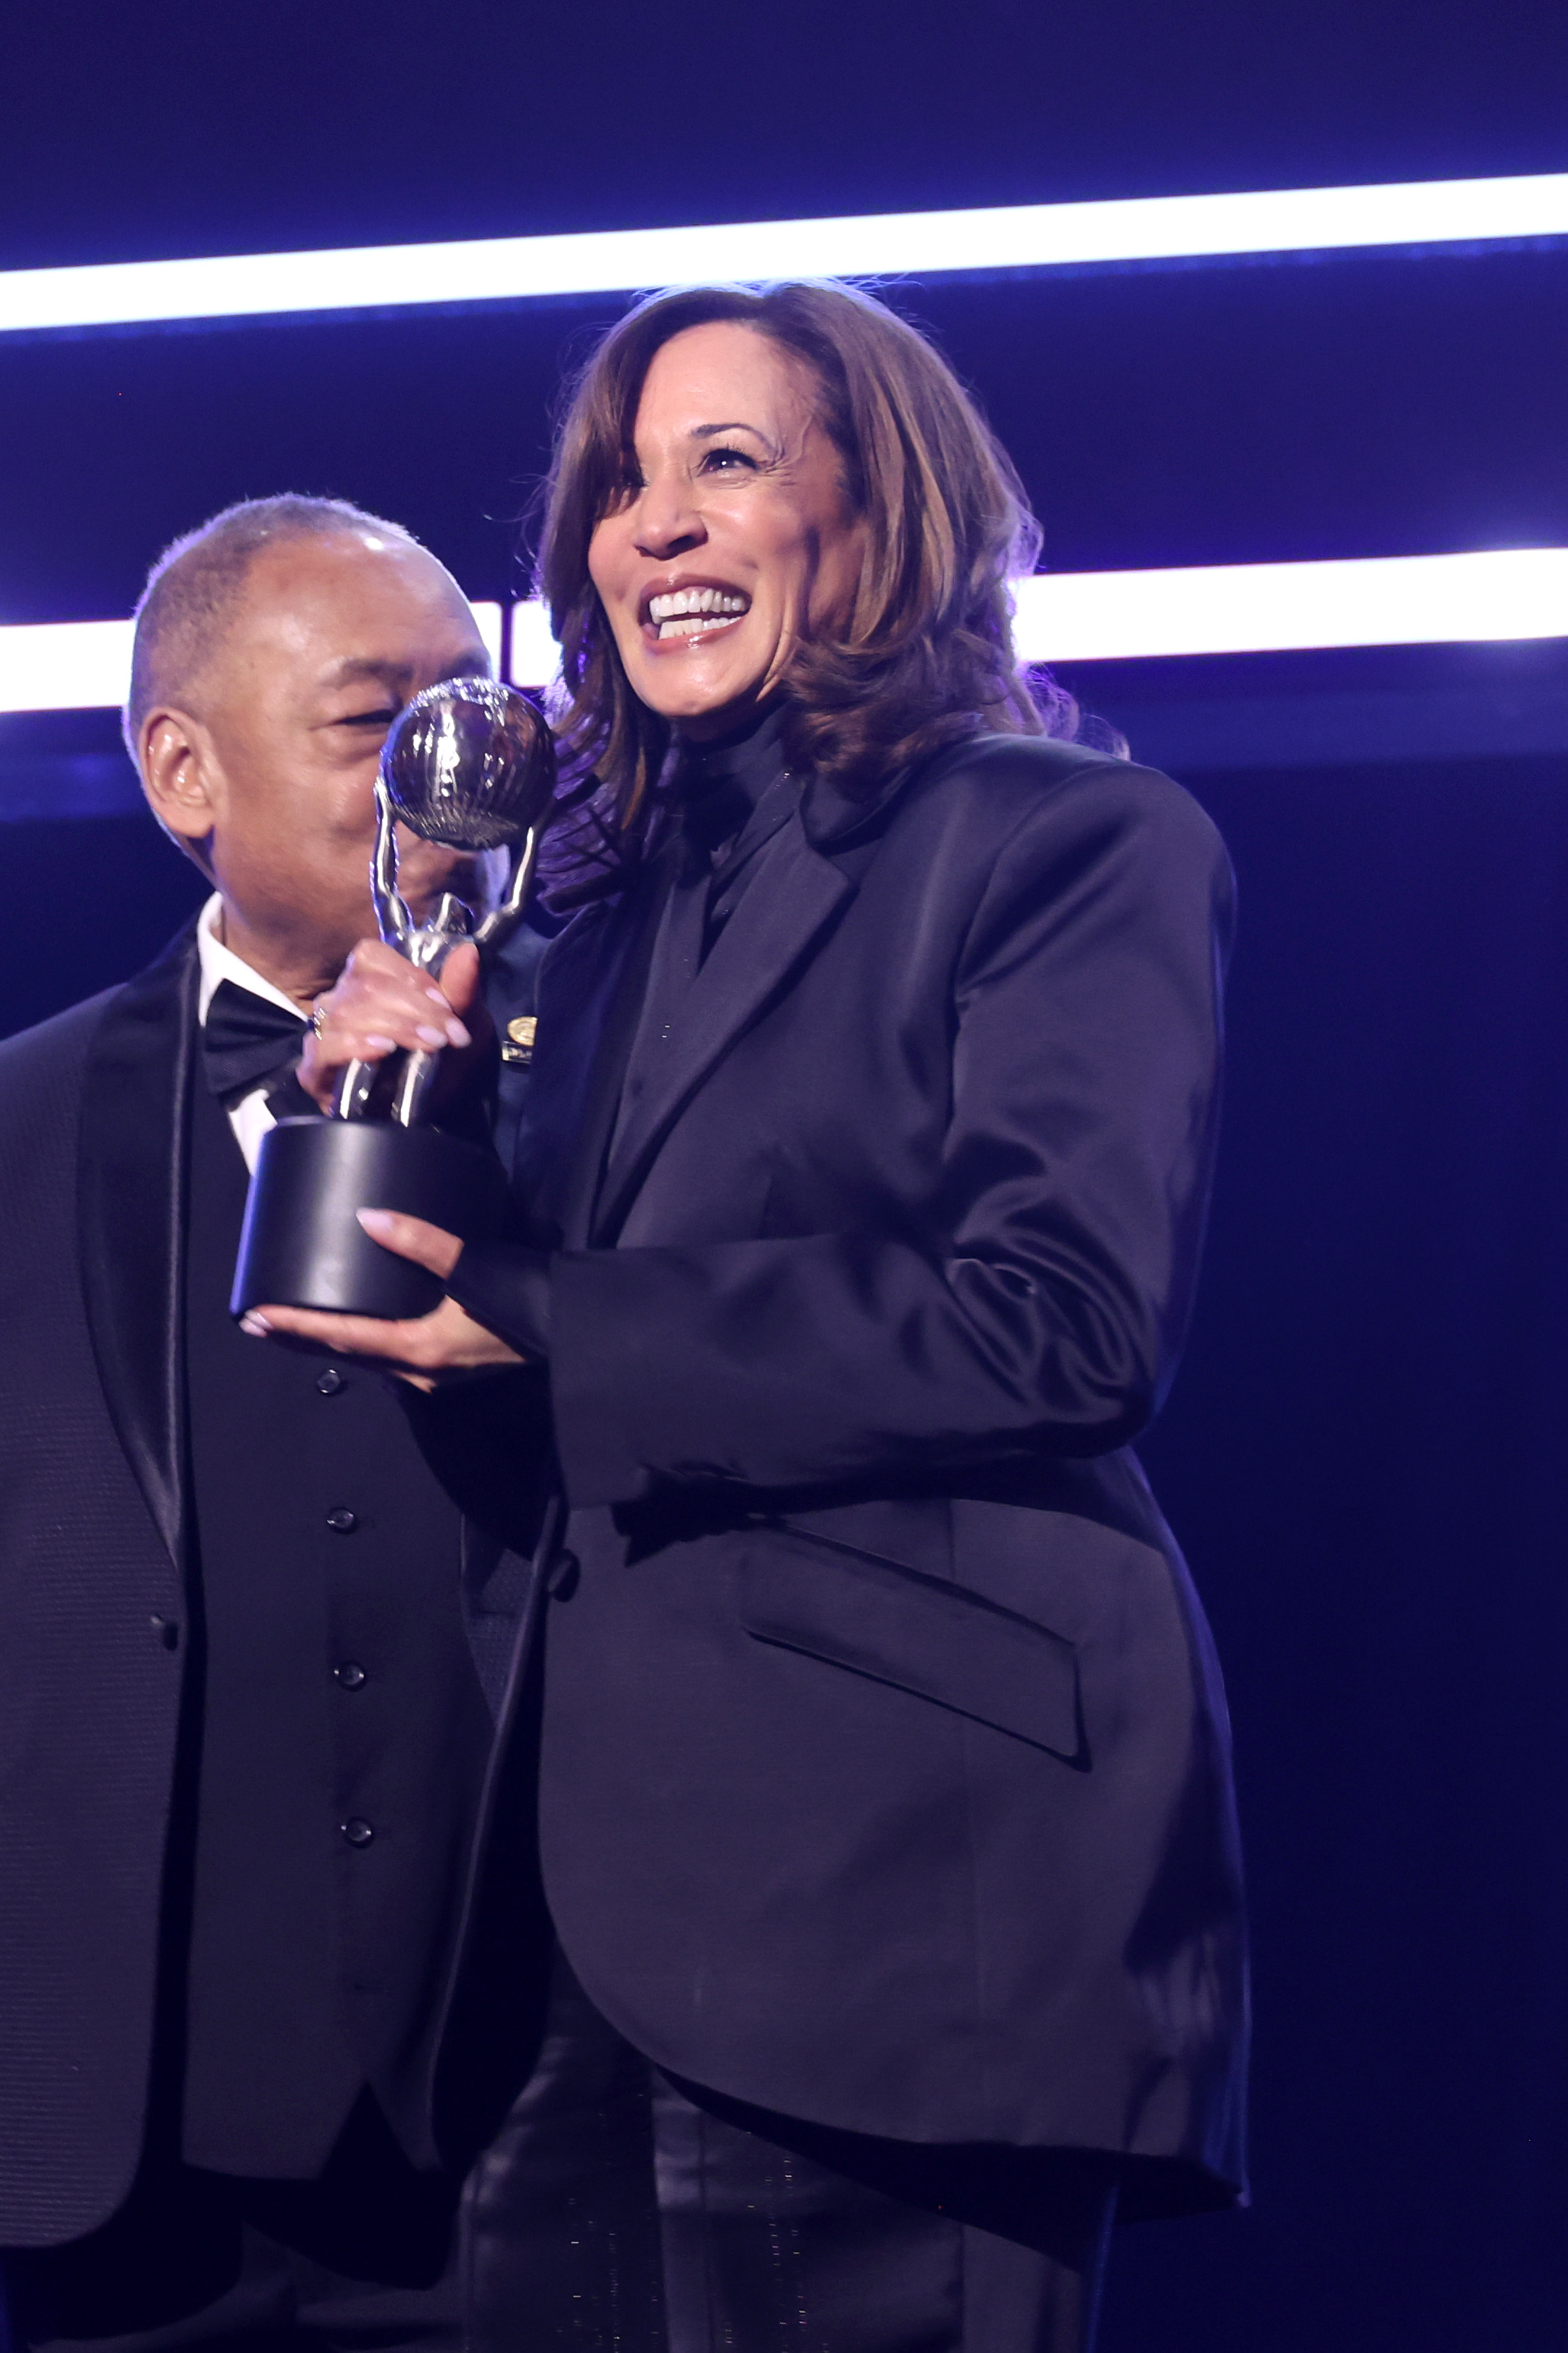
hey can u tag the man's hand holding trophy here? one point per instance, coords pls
(471, 765)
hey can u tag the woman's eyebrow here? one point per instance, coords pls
(738, 425)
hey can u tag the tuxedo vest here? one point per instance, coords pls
(342, 1735)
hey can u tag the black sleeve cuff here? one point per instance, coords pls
(507, 1289)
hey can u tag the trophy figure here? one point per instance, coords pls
(470, 765)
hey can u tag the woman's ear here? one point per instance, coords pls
(176, 763)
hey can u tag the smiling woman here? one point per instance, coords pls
(727, 548)
(790, 488)
(884, 1798)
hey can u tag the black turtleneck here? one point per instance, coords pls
(731, 795)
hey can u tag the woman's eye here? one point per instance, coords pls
(724, 460)
(370, 718)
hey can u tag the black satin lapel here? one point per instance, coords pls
(130, 1214)
(785, 910)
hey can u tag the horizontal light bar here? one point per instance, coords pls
(1244, 609)
(1241, 608)
(86, 665)
(875, 245)
(490, 624)
(535, 656)
(64, 665)
(1060, 617)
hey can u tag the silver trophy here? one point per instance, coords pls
(471, 765)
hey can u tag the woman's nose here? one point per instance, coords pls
(667, 519)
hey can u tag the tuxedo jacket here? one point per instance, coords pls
(885, 1779)
(98, 1579)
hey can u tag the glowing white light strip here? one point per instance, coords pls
(597, 261)
(64, 665)
(86, 665)
(1064, 617)
(488, 621)
(1240, 608)
(536, 656)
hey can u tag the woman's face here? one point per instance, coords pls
(734, 539)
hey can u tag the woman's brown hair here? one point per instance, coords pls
(926, 654)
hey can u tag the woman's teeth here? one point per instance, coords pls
(688, 612)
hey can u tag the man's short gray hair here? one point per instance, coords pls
(194, 587)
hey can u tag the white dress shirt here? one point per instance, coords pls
(249, 1118)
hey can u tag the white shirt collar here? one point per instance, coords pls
(220, 963)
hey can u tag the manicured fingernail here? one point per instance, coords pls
(377, 1223)
(436, 996)
(428, 1037)
(383, 1045)
(257, 1326)
(455, 1033)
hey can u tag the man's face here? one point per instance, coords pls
(331, 637)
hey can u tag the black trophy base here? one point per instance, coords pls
(303, 1245)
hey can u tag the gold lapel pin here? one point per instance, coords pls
(517, 1046)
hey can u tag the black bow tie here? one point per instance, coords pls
(246, 1041)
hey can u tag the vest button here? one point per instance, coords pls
(342, 1522)
(349, 1675)
(330, 1382)
(357, 1831)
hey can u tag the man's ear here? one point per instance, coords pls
(176, 763)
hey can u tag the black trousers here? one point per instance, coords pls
(616, 2212)
(762, 2236)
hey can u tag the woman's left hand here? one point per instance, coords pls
(425, 1347)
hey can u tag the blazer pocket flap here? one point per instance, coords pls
(918, 1632)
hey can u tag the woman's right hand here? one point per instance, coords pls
(380, 1003)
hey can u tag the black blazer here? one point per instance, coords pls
(91, 1476)
(885, 1762)
(93, 1537)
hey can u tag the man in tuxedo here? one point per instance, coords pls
(244, 1732)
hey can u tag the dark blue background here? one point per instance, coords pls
(1363, 1453)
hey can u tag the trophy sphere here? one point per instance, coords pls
(470, 764)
